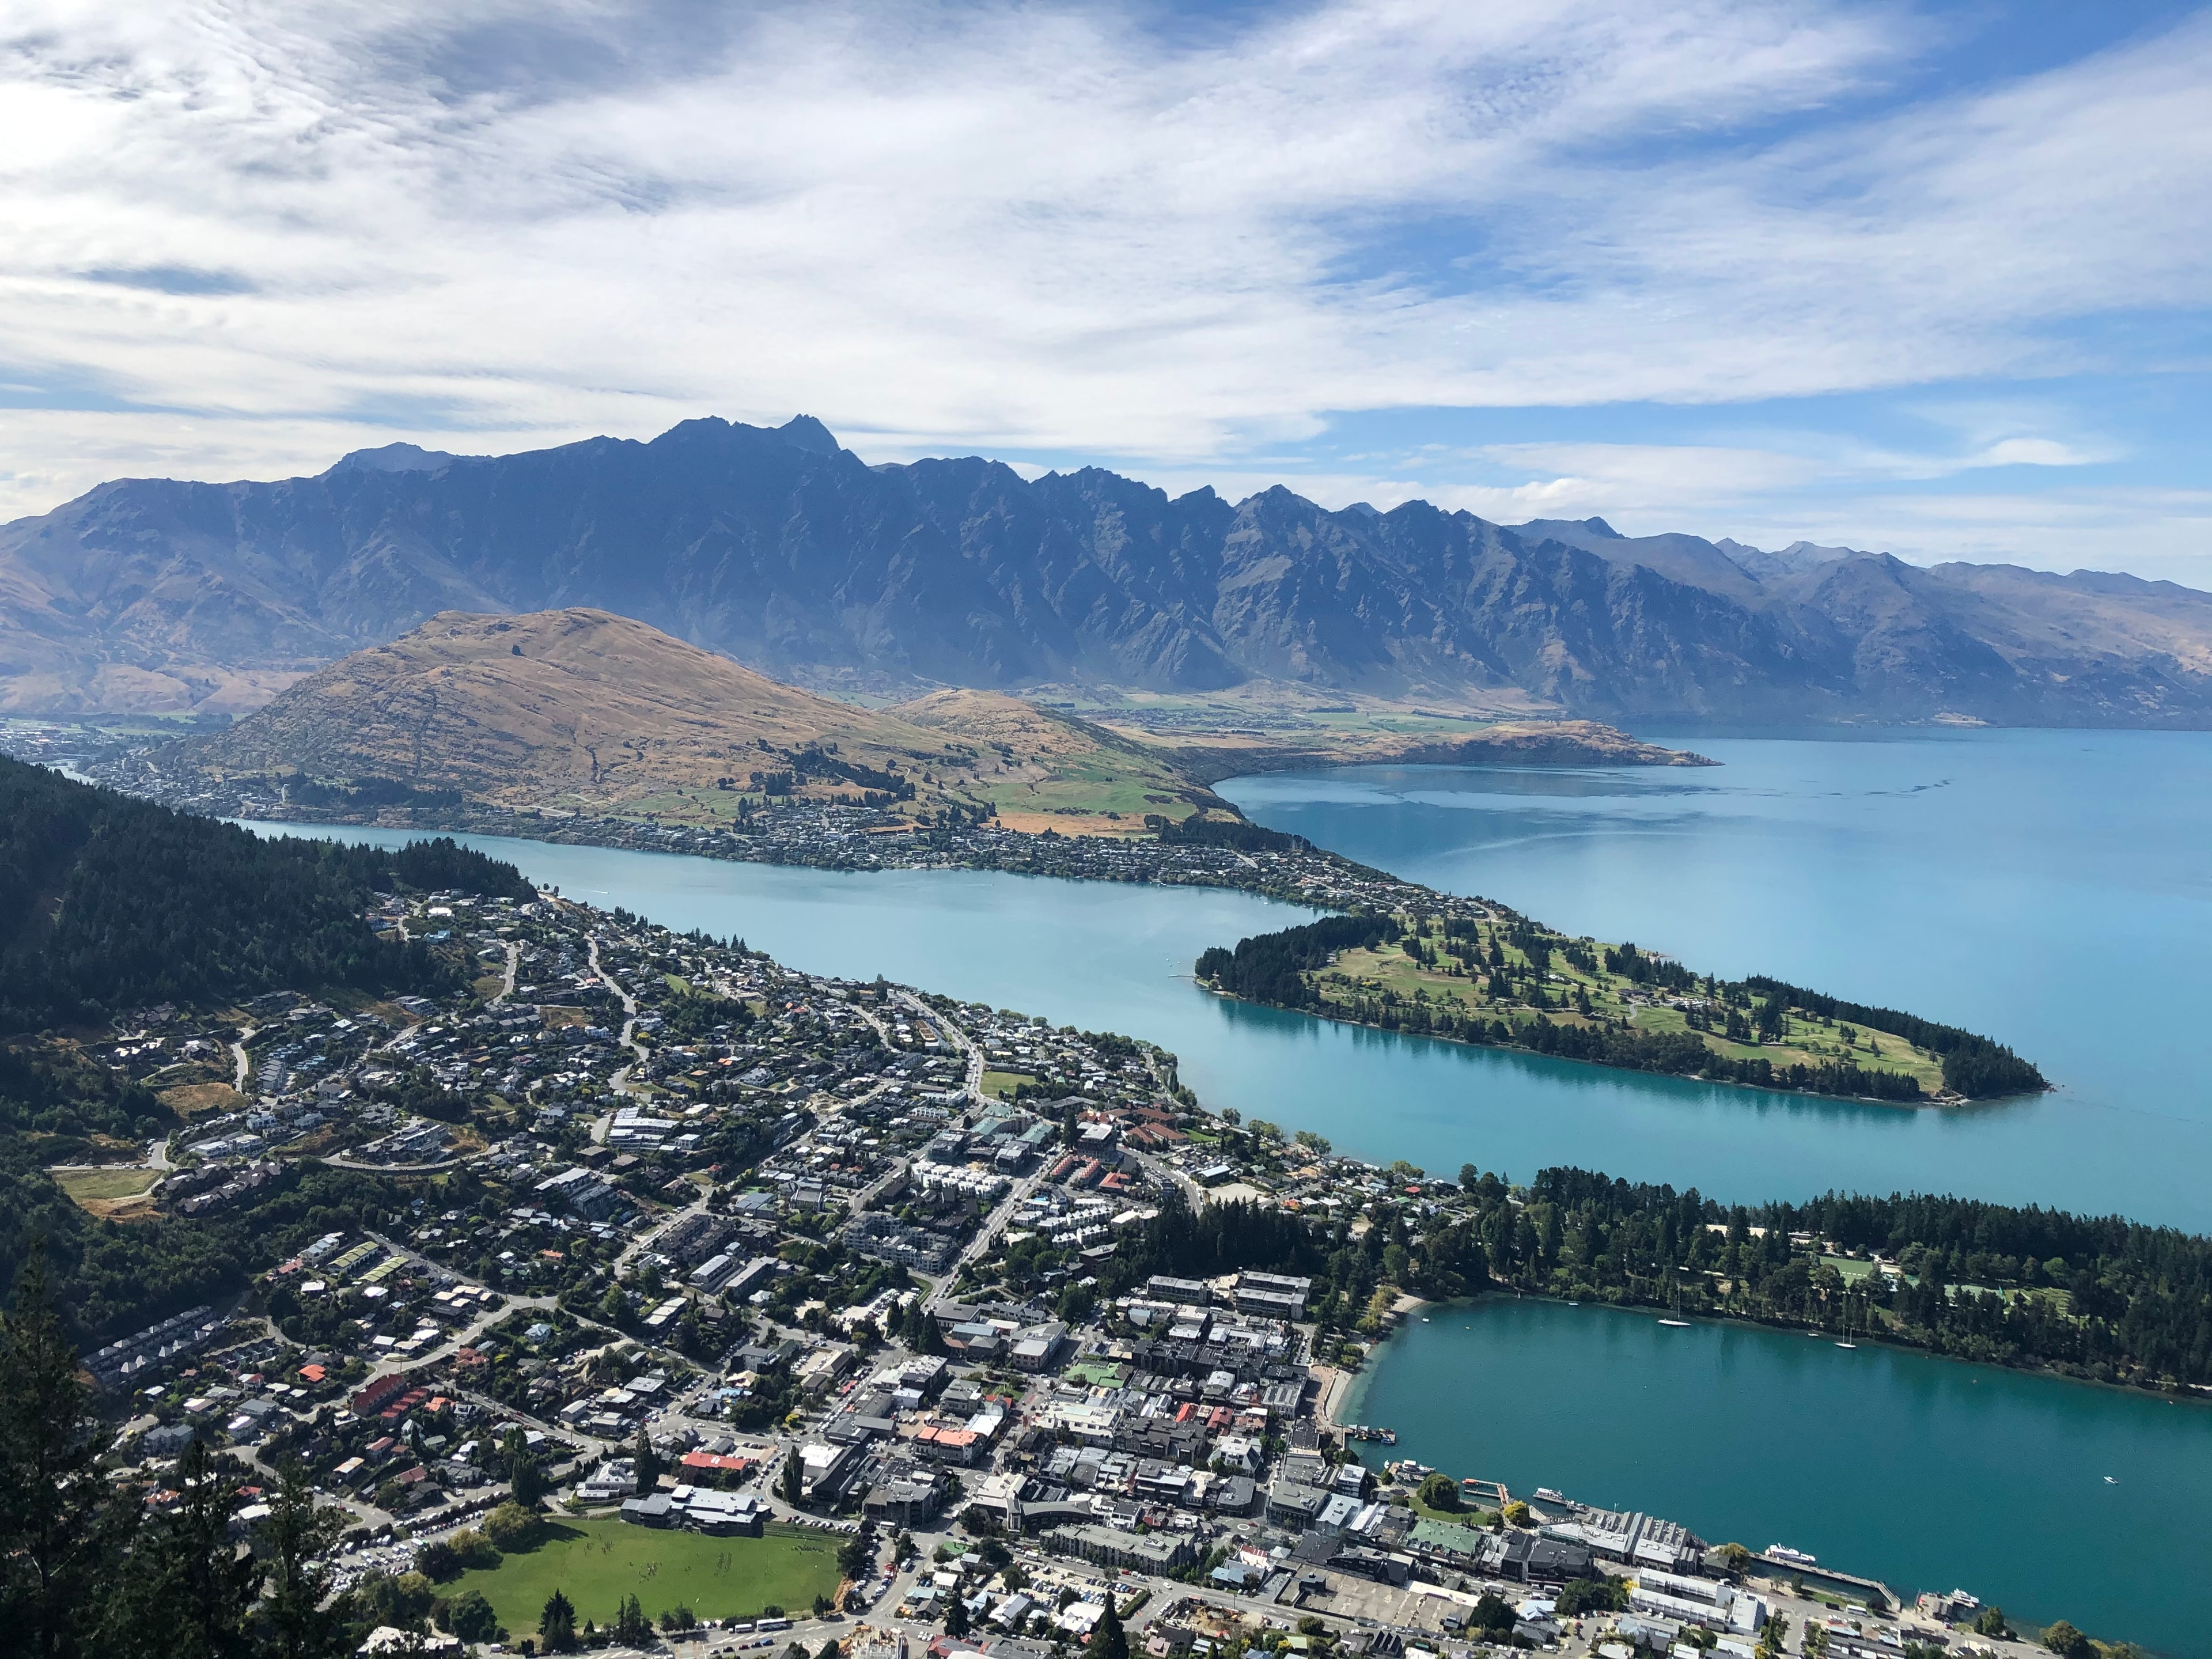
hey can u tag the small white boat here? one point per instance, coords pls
(1548, 1496)
(2109, 1481)
(1794, 1557)
(1847, 1345)
(1676, 1324)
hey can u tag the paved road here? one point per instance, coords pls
(620, 1082)
(993, 1224)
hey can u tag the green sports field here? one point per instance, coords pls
(599, 1562)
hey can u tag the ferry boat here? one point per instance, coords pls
(1364, 1432)
(1789, 1556)
(1548, 1496)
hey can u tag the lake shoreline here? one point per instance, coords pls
(1497, 1387)
(1927, 1103)
(1300, 873)
(1504, 1291)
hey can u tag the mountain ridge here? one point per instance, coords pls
(779, 547)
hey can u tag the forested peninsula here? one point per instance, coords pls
(2097, 1297)
(1479, 974)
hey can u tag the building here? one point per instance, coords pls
(1272, 1296)
(1158, 1553)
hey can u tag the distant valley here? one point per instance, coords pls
(781, 550)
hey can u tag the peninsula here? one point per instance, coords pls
(586, 727)
(455, 1200)
(1475, 972)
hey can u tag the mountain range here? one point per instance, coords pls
(783, 550)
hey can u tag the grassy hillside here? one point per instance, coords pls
(587, 712)
(1038, 767)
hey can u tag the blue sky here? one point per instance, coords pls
(1932, 279)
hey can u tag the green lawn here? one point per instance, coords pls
(1003, 1084)
(119, 1183)
(598, 1563)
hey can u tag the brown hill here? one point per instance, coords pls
(585, 711)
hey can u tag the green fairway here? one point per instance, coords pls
(597, 1563)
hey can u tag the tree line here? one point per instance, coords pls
(1975, 1067)
(2095, 1297)
(1272, 968)
(108, 904)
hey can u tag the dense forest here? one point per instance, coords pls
(108, 904)
(1234, 834)
(1273, 968)
(1270, 967)
(2100, 1297)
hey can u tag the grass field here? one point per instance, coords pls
(1003, 1084)
(1803, 1041)
(597, 1563)
(124, 1183)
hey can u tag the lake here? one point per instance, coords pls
(1924, 1473)
(2050, 889)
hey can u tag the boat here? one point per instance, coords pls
(1676, 1324)
(2109, 1481)
(1549, 1496)
(1783, 1554)
(1424, 1319)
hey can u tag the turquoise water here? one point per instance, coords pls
(1968, 878)
(2052, 888)
(1923, 1473)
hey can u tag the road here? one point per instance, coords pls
(993, 1224)
(244, 1065)
(620, 1082)
(959, 1038)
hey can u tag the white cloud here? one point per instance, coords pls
(483, 225)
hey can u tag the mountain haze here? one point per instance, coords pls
(780, 548)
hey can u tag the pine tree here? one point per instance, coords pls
(189, 1592)
(556, 1625)
(290, 1545)
(49, 1491)
(1108, 1639)
(792, 1484)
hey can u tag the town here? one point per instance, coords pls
(663, 1241)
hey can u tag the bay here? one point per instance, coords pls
(2050, 889)
(1924, 1473)
(1119, 958)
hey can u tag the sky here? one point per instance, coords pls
(1932, 280)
